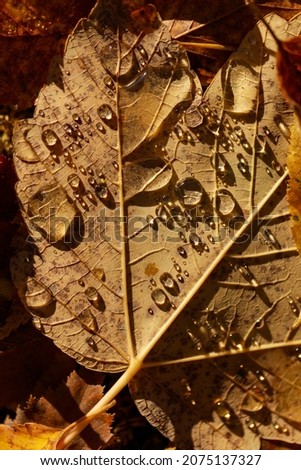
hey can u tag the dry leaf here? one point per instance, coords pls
(294, 190)
(69, 402)
(30, 436)
(204, 171)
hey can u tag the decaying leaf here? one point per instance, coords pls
(69, 402)
(134, 188)
(294, 190)
(30, 436)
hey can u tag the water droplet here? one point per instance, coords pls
(52, 213)
(87, 118)
(50, 138)
(36, 295)
(211, 239)
(246, 273)
(94, 297)
(182, 252)
(109, 82)
(152, 222)
(75, 182)
(219, 164)
(195, 241)
(67, 106)
(259, 324)
(162, 214)
(177, 267)
(270, 238)
(239, 132)
(76, 118)
(99, 273)
(81, 282)
(115, 165)
(284, 129)
(268, 171)
(92, 344)
(161, 299)
(277, 167)
(180, 278)
(101, 190)
(193, 117)
(225, 203)
(251, 425)
(105, 112)
(150, 311)
(153, 282)
(189, 191)
(235, 341)
(186, 273)
(169, 283)
(142, 51)
(224, 411)
(178, 216)
(179, 132)
(41, 113)
(266, 130)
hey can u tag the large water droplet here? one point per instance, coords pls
(196, 242)
(52, 213)
(161, 299)
(284, 129)
(50, 139)
(182, 252)
(193, 117)
(94, 297)
(36, 295)
(169, 283)
(225, 203)
(105, 112)
(189, 191)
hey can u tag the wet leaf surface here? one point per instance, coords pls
(192, 202)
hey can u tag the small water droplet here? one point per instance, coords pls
(224, 411)
(180, 278)
(182, 252)
(161, 299)
(266, 130)
(92, 344)
(270, 238)
(109, 82)
(105, 112)
(81, 282)
(195, 241)
(150, 311)
(211, 239)
(259, 324)
(67, 106)
(268, 171)
(162, 214)
(153, 282)
(239, 132)
(177, 267)
(76, 118)
(189, 191)
(179, 132)
(219, 164)
(115, 165)
(244, 270)
(99, 273)
(41, 113)
(186, 273)
(169, 283)
(87, 118)
(94, 297)
(82, 170)
(142, 51)
(75, 182)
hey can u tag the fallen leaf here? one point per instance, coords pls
(67, 403)
(29, 436)
(219, 165)
(294, 189)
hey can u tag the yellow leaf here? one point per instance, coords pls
(294, 190)
(29, 436)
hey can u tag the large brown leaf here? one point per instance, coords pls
(134, 189)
